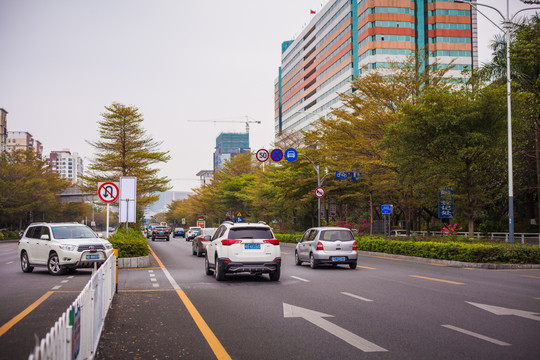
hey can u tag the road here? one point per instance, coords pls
(385, 309)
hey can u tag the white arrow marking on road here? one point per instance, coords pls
(316, 318)
(505, 311)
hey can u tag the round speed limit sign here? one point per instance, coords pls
(262, 155)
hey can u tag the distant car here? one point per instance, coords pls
(160, 232)
(149, 230)
(327, 245)
(192, 232)
(200, 242)
(61, 247)
(179, 232)
(243, 247)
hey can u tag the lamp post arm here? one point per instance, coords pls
(324, 177)
(491, 7)
(533, 8)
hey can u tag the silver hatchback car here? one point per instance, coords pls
(327, 245)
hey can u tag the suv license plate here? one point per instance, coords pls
(92, 257)
(252, 246)
(338, 258)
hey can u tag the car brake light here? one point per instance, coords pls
(229, 242)
(272, 241)
(354, 246)
(320, 246)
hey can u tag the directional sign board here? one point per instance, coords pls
(108, 192)
(262, 155)
(386, 209)
(319, 192)
(291, 154)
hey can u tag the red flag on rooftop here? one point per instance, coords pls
(312, 11)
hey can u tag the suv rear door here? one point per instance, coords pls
(252, 246)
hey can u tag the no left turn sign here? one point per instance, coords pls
(108, 192)
(319, 192)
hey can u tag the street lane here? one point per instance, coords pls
(415, 311)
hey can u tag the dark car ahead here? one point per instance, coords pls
(161, 232)
(179, 232)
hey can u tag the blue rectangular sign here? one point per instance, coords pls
(386, 209)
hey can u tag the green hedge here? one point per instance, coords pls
(9, 235)
(288, 238)
(457, 251)
(130, 243)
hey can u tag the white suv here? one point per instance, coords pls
(61, 247)
(243, 247)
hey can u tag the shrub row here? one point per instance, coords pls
(130, 243)
(456, 251)
(288, 238)
(9, 235)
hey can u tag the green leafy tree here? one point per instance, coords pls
(28, 191)
(125, 149)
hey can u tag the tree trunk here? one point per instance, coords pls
(371, 213)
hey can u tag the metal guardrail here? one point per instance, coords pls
(76, 333)
(523, 238)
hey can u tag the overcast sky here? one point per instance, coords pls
(62, 61)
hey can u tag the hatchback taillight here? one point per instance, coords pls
(354, 246)
(229, 242)
(272, 241)
(320, 246)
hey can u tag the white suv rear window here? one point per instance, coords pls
(250, 233)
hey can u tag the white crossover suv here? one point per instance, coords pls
(241, 248)
(61, 247)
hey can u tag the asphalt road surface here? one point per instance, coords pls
(385, 309)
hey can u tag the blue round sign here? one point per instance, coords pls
(239, 219)
(291, 154)
(276, 155)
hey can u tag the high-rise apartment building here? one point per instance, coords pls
(22, 140)
(67, 164)
(3, 130)
(347, 37)
(229, 145)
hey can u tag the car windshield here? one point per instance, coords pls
(250, 233)
(160, 228)
(72, 232)
(179, 229)
(336, 235)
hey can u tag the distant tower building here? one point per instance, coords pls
(68, 165)
(348, 37)
(228, 145)
(3, 130)
(22, 140)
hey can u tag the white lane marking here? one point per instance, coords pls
(152, 275)
(150, 271)
(11, 262)
(356, 296)
(57, 287)
(71, 277)
(64, 281)
(155, 285)
(299, 278)
(316, 318)
(476, 335)
(497, 310)
(153, 279)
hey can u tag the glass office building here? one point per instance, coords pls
(347, 37)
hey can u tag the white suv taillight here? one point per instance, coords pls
(229, 242)
(272, 241)
(320, 246)
(354, 246)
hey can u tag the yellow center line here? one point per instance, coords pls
(439, 280)
(530, 276)
(208, 334)
(23, 313)
(388, 258)
(366, 267)
(438, 264)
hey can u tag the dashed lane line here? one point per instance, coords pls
(357, 297)
(476, 335)
(299, 278)
(439, 280)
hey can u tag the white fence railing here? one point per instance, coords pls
(523, 238)
(76, 333)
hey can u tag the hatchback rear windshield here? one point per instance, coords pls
(72, 232)
(336, 235)
(250, 233)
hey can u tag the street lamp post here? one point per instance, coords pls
(319, 184)
(507, 25)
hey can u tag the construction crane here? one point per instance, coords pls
(225, 120)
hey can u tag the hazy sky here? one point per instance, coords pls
(62, 61)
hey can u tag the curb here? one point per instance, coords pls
(134, 262)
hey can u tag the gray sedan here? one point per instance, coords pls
(327, 245)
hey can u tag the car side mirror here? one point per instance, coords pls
(297, 240)
(44, 237)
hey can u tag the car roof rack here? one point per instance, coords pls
(262, 222)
